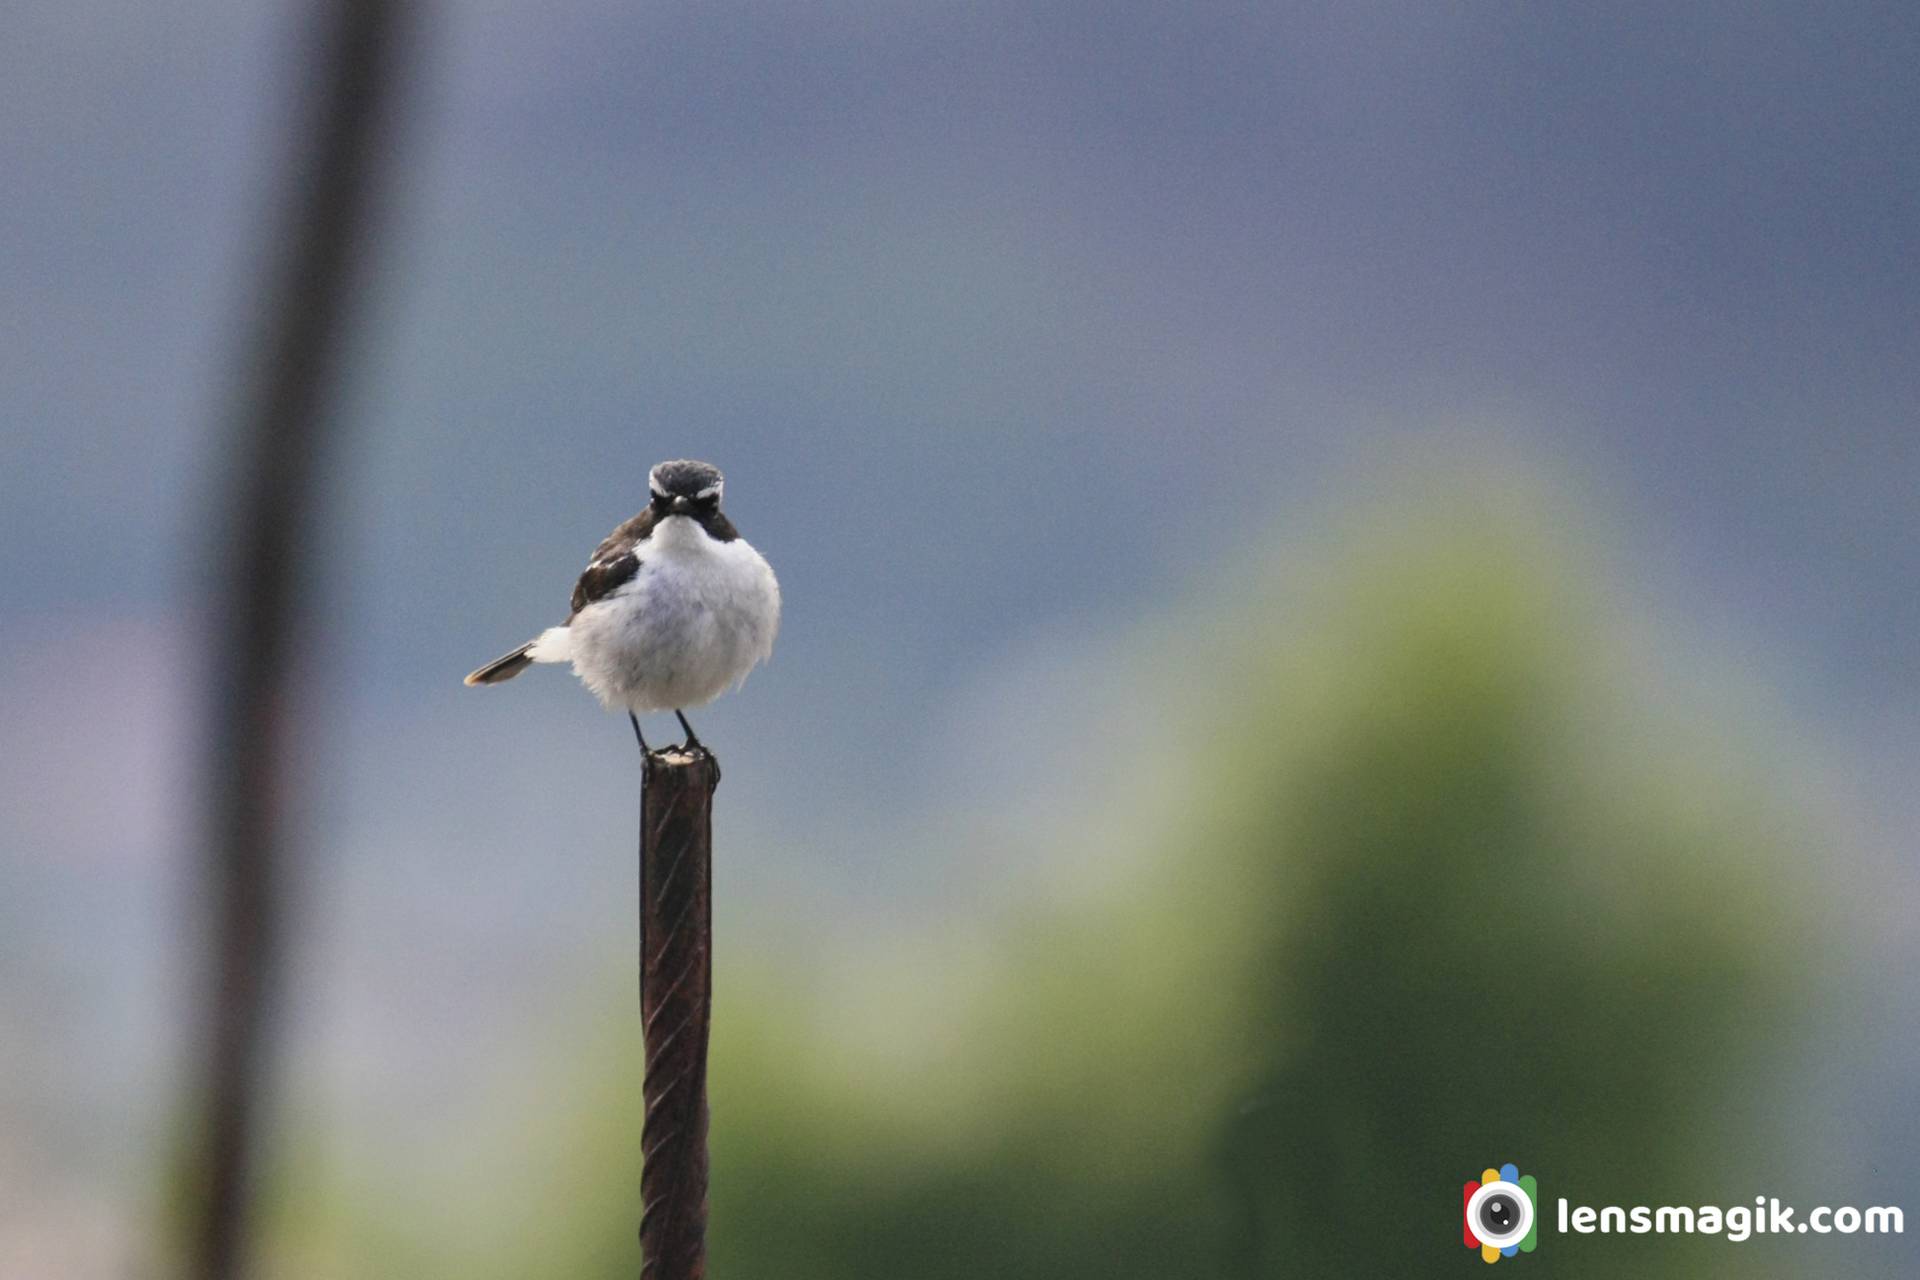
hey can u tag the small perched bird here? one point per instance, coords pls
(674, 609)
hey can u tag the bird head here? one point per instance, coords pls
(685, 488)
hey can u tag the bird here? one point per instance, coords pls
(674, 609)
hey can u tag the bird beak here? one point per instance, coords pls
(681, 506)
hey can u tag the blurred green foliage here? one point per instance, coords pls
(1433, 875)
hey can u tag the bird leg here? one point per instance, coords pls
(693, 743)
(637, 734)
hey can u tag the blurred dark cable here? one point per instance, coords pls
(279, 440)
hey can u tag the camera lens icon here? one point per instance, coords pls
(1498, 1213)
(1501, 1214)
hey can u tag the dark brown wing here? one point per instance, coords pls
(614, 562)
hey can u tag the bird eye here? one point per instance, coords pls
(662, 501)
(708, 502)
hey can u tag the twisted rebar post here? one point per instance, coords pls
(676, 998)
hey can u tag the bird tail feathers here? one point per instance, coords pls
(503, 668)
(555, 644)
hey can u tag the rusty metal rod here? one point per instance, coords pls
(676, 1001)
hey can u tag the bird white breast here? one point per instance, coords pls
(695, 618)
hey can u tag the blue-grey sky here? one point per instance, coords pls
(1019, 272)
(1008, 322)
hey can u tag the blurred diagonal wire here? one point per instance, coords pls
(279, 439)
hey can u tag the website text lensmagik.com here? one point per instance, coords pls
(1766, 1216)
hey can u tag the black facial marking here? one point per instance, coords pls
(691, 489)
(718, 527)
